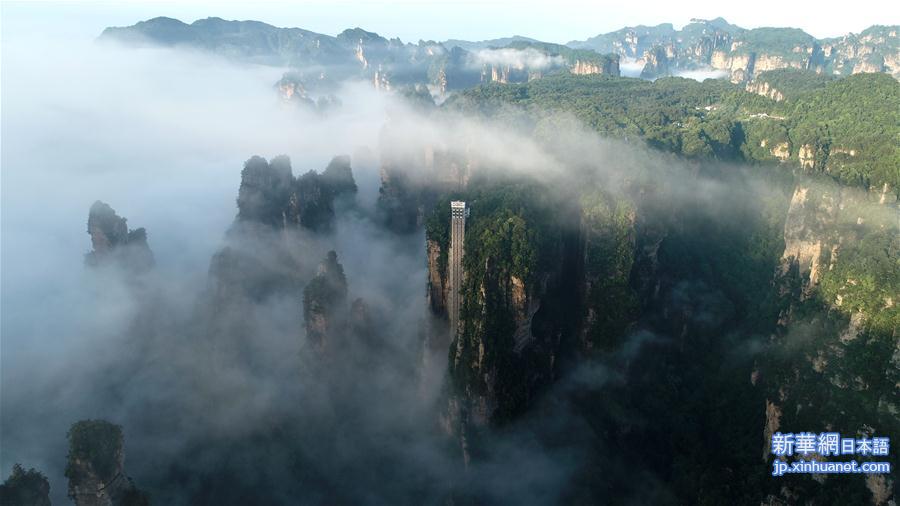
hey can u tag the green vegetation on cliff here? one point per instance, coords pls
(866, 279)
(611, 304)
(95, 445)
(512, 240)
(793, 83)
(854, 126)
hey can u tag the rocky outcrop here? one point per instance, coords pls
(312, 202)
(114, 244)
(338, 175)
(382, 79)
(437, 286)
(744, 63)
(265, 193)
(96, 466)
(813, 237)
(324, 304)
(875, 49)
(810, 217)
(25, 488)
(880, 487)
(873, 64)
(781, 150)
(657, 63)
(739, 66)
(609, 67)
(311, 92)
(333, 327)
(806, 156)
(817, 349)
(270, 195)
(764, 89)
(291, 88)
(361, 55)
(773, 423)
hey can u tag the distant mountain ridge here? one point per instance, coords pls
(362, 54)
(744, 53)
(659, 50)
(469, 45)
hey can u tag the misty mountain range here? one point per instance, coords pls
(655, 276)
(650, 51)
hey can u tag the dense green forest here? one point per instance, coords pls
(845, 128)
(780, 41)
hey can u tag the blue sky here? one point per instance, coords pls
(556, 21)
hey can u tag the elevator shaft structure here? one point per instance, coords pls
(458, 214)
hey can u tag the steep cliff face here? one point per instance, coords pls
(657, 63)
(25, 488)
(609, 67)
(520, 302)
(609, 236)
(808, 230)
(744, 63)
(524, 61)
(752, 54)
(344, 336)
(437, 294)
(96, 467)
(700, 51)
(825, 224)
(452, 69)
(507, 73)
(833, 362)
(113, 244)
(509, 343)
